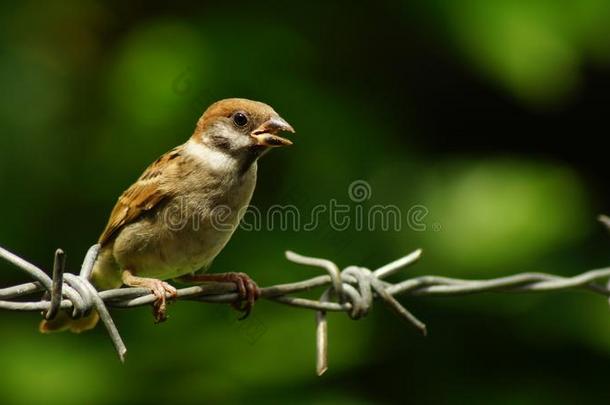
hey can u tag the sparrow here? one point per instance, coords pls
(181, 212)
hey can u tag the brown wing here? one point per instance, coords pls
(144, 195)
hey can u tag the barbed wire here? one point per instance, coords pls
(351, 290)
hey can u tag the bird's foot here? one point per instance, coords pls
(160, 289)
(247, 290)
(248, 293)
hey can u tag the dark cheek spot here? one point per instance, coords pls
(221, 142)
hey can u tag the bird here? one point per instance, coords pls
(181, 212)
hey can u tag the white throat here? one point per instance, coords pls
(215, 159)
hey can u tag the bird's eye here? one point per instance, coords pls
(240, 119)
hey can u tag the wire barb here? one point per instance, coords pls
(59, 265)
(352, 290)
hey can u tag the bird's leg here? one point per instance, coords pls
(159, 288)
(247, 289)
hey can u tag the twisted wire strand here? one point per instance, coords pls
(352, 290)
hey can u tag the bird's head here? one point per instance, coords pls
(241, 127)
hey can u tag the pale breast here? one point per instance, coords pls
(188, 231)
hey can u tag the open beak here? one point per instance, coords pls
(266, 134)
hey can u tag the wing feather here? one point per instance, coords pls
(144, 195)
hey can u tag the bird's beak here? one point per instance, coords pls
(266, 134)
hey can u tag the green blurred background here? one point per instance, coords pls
(489, 113)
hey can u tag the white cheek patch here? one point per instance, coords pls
(236, 140)
(215, 159)
(242, 141)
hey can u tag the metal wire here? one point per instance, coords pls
(352, 291)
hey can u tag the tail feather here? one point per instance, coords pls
(63, 322)
(105, 275)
